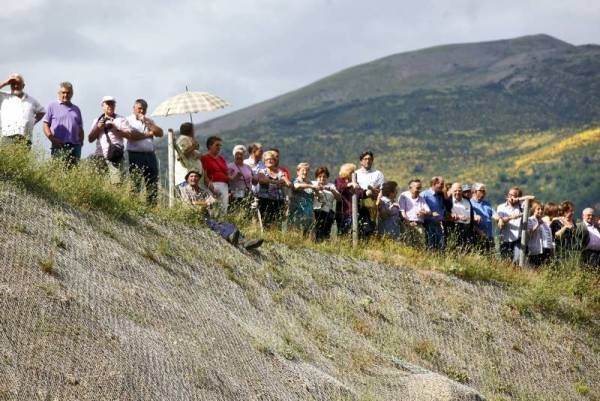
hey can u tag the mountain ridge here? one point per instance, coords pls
(529, 42)
(423, 110)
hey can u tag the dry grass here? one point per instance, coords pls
(513, 334)
(47, 265)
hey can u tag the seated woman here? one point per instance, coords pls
(346, 188)
(323, 205)
(271, 184)
(192, 194)
(389, 210)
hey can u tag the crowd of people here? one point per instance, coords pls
(453, 215)
(115, 136)
(443, 216)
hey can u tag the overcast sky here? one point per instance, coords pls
(245, 51)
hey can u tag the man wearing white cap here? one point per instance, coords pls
(109, 131)
(19, 112)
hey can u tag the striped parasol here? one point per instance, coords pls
(189, 102)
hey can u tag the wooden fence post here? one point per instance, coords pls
(171, 167)
(354, 215)
(523, 232)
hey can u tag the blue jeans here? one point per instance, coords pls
(344, 224)
(144, 166)
(220, 227)
(434, 236)
(71, 152)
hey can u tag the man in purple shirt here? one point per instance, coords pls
(63, 126)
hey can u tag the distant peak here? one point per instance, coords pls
(539, 40)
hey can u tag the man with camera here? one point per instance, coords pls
(109, 131)
(63, 125)
(140, 149)
(19, 112)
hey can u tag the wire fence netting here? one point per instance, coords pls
(97, 309)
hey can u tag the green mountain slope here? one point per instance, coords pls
(437, 111)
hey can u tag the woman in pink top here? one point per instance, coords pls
(240, 181)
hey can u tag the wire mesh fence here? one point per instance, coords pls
(93, 308)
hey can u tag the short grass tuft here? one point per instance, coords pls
(47, 265)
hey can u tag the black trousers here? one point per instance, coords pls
(271, 211)
(591, 258)
(507, 249)
(143, 166)
(462, 234)
(323, 223)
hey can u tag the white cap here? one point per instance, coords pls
(106, 99)
(239, 148)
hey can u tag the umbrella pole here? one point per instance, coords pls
(191, 121)
(171, 167)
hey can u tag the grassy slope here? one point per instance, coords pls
(355, 316)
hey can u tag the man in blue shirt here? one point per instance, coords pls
(483, 218)
(434, 231)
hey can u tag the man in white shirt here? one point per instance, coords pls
(371, 181)
(139, 145)
(19, 112)
(508, 215)
(109, 131)
(461, 216)
(414, 208)
(589, 230)
(368, 178)
(254, 160)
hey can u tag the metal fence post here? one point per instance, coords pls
(354, 215)
(171, 167)
(523, 230)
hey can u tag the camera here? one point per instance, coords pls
(108, 123)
